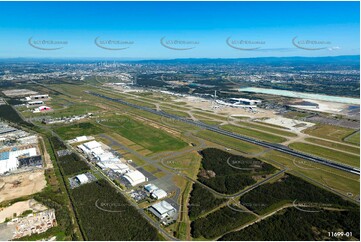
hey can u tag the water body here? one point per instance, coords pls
(303, 95)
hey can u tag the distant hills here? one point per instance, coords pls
(349, 59)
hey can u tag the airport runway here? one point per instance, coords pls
(277, 147)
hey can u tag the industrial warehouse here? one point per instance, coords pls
(164, 211)
(21, 155)
(155, 192)
(81, 179)
(115, 166)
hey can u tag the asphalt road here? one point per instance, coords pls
(277, 147)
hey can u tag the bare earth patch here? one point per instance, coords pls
(20, 207)
(22, 184)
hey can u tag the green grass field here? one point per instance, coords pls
(329, 132)
(348, 159)
(353, 138)
(71, 131)
(210, 122)
(153, 139)
(338, 180)
(202, 114)
(245, 147)
(175, 112)
(334, 145)
(270, 128)
(254, 134)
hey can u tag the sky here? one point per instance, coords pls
(168, 30)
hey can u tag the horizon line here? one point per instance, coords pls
(154, 58)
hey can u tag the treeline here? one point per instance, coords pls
(105, 214)
(287, 190)
(9, 114)
(219, 222)
(202, 201)
(72, 164)
(232, 173)
(57, 143)
(14, 101)
(295, 225)
(54, 197)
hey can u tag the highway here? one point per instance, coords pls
(277, 147)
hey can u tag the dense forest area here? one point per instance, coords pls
(105, 214)
(202, 201)
(227, 173)
(219, 222)
(292, 224)
(287, 190)
(72, 164)
(9, 114)
(57, 143)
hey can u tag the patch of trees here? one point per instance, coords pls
(72, 164)
(227, 173)
(9, 114)
(14, 101)
(287, 190)
(219, 222)
(4, 84)
(295, 225)
(105, 214)
(150, 80)
(202, 201)
(53, 197)
(57, 143)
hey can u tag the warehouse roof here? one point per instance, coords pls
(92, 145)
(135, 177)
(163, 207)
(159, 194)
(82, 178)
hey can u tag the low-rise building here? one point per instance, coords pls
(34, 103)
(159, 194)
(155, 192)
(82, 179)
(150, 187)
(9, 160)
(135, 177)
(164, 211)
(37, 97)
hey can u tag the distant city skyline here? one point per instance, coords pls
(171, 30)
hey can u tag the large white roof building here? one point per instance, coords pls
(135, 177)
(92, 145)
(9, 160)
(82, 178)
(162, 210)
(159, 194)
